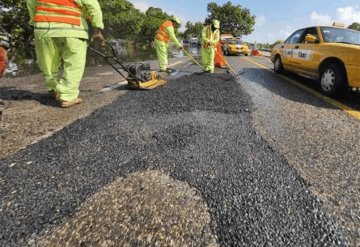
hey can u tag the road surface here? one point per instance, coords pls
(206, 160)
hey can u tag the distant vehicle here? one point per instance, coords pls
(117, 45)
(194, 41)
(329, 54)
(225, 36)
(235, 47)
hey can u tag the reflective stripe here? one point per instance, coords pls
(58, 11)
(68, 3)
(162, 35)
(59, 19)
(210, 35)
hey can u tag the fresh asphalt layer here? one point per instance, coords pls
(198, 129)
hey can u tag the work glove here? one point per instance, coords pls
(97, 35)
(181, 48)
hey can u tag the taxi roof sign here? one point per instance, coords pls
(338, 24)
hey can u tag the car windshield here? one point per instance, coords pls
(235, 42)
(340, 35)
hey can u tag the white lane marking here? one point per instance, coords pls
(114, 86)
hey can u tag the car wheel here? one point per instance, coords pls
(278, 66)
(331, 80)
(226, 53)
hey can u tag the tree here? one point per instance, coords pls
(121, 19)
(276, 43)
(14, 19)
(233, 19)
(154, 18)
(355, 26)
(193, 30)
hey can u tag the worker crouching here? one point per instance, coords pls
(209, 39)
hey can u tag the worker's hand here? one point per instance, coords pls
(181, 48)
(97, 35)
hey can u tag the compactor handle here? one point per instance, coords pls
(114, 53)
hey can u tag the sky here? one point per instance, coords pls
(275, 19)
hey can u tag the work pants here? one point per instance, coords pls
(162, 50)
(207, 55)
(50, 52)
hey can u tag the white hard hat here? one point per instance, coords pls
(176, 19)
(216, 23)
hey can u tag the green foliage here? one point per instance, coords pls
(193, 30)
(276, 43)
(263, 45)
(355, 26)
(14, 19)
(233, 18)
(121, 19)
(154, 18)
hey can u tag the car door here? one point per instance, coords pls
(287, 50)
(305, 59)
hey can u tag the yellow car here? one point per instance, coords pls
(235, 47)
(329, 54)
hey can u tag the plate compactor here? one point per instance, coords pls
(139, 75)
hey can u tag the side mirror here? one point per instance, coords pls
(311, 39)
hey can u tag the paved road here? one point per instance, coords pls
(319, 139)
(204, 161)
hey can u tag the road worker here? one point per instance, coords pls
(210, 37)
(61, 33)
(4, 45)
(165, 34)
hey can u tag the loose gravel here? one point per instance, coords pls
(198, 129)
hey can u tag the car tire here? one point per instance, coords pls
(226, 53)
(278, 66)
(332, 81)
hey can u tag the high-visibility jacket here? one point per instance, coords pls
(64, 18)
(2, 60)
(161, 34)
(209, 38)
(61, 11)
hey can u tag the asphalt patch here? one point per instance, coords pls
(198, 129)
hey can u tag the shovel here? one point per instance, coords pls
(192, 58)
(227, 64)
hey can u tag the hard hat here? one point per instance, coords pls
(176, 19)
(216, 23)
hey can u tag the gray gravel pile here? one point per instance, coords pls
(199, 130)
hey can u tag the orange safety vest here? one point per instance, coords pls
(61, 11)
(2, 60)
(209, 35)
(162, 35)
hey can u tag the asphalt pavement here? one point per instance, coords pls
(319, 139)
(189, 145)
